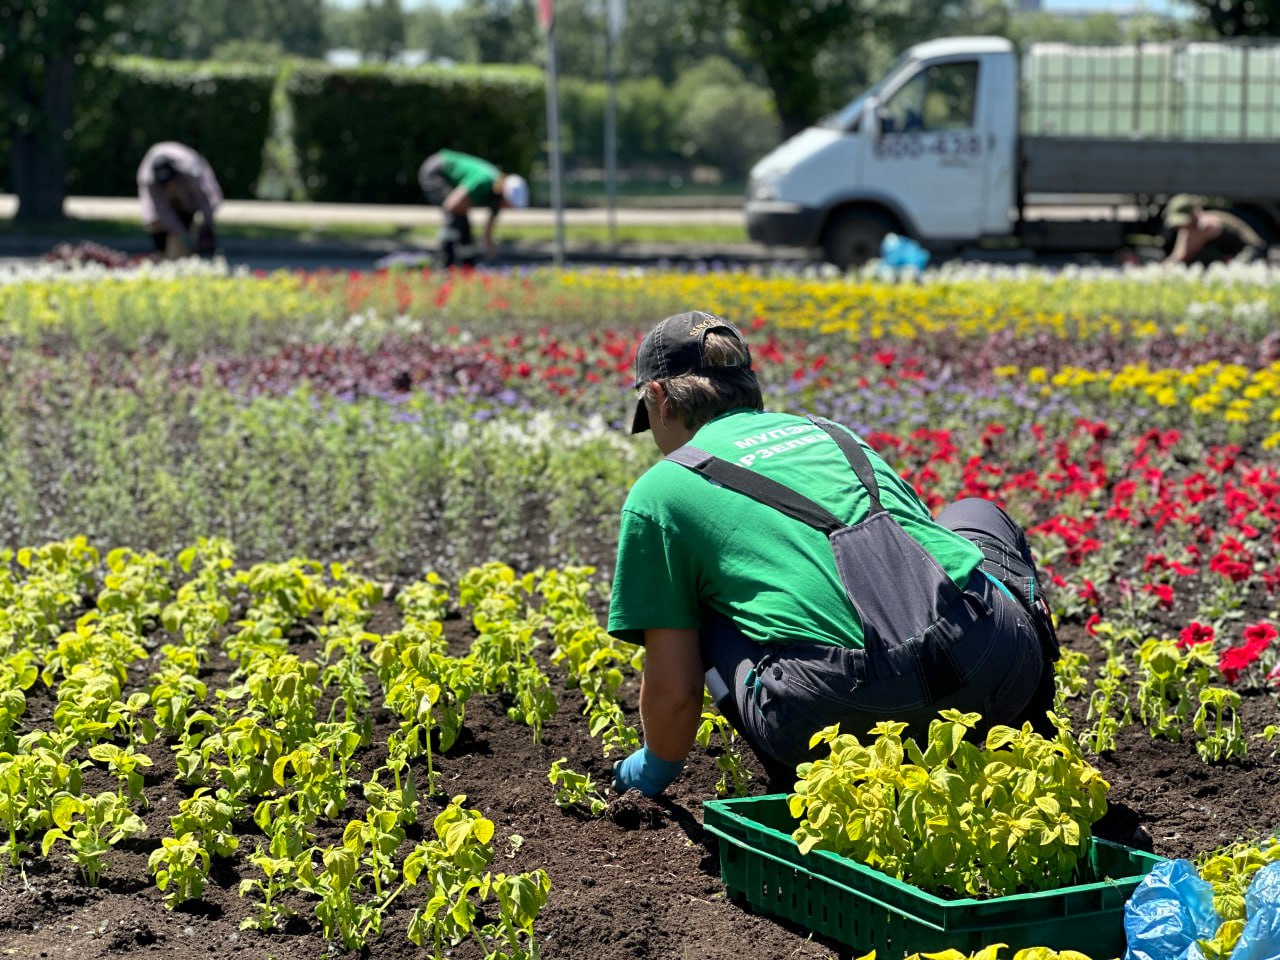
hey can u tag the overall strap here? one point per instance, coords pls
(777, 495)
(761, 489)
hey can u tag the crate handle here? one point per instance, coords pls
(860, 894)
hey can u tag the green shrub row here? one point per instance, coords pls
(362, 133)
(356, 134)
(221, 109)
(303, 130)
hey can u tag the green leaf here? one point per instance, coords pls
(50, 838)
(341, 865)
(999, 737)
(65, 807)
(1048, 805)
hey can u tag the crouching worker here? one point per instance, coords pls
(781, 562)
(176, 187)
(458, 181)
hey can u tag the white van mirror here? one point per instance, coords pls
(869, 123)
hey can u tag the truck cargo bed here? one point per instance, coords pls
(1243, 170)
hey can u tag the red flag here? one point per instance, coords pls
(545, 15)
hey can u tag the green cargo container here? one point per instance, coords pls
(1186, 91)
(866, 910)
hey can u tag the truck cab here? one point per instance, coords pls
(929, 151)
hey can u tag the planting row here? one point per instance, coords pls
(256, 690)
(280, 746)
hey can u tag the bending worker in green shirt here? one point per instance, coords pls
(781, 562)
(457, 182)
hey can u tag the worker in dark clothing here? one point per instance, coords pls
(457, 182)
(177, 188)
(1209, 236)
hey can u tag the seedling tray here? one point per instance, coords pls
(868, 910)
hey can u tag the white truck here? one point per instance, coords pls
(964, 141)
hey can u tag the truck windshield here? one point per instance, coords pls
(847, 117)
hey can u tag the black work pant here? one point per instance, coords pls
(778, 694)
(160, 239)
(456, 233)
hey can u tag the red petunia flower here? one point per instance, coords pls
(1195, 633)
(1262, 632)
(1163, 593)
(1235, 660)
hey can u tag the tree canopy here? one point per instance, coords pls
(1240, 18)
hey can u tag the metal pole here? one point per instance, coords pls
(553, 134)
(611, 140)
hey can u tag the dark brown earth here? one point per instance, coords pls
(640, 882)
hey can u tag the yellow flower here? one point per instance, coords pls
(1205, 403)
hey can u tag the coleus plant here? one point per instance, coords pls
(955, 818)
(1231, 870)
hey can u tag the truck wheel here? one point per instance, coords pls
(854, 237)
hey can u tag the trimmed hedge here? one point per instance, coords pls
(647, 118)
(362, 133)
(221, 109)
(345, 135)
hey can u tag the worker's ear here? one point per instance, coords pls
(657, 392)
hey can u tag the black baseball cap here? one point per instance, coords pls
(163, 170)
(677, 345)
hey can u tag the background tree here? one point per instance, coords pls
(724, 120)
(1240, 18)
(665, 38)
(194, 29)
(380, 29)
(785, 38)
(42, 45)
(437, 31)
(503, 31)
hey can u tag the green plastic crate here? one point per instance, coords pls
(867, 910)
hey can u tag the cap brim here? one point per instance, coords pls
(640, 419)
(1177, 220)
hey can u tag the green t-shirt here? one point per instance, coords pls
(478, 176)
(686, 543)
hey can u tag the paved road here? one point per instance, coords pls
(365, 252)
(399, 216)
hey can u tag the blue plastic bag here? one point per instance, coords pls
(901, 253)
(1168, 912)
(1260, 939)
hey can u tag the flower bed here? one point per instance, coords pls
(402, 423)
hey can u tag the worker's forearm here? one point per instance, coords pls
(670, 720)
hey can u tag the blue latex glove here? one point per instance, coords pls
(645, 771)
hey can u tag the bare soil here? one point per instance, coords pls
(642, 881)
